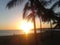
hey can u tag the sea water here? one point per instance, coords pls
(13, 32)
(10, 32)
(16, 32)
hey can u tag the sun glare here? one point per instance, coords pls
(26, 26)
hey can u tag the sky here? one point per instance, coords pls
(10, 18)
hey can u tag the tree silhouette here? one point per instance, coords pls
(45, 14)
(39, 10)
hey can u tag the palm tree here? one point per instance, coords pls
(14, 2)
(38, 5)
(48, 13)
(37, 9)
(51, 14)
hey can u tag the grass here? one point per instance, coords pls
(45, 38)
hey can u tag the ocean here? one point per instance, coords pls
(10, 32)
(17, 32)
(13, 32)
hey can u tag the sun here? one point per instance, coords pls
(26, 26)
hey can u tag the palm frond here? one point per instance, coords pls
(26, 8)
(20, 1)
(59, 3)
(13, 3)
(30, 16)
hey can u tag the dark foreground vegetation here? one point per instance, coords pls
(45, 38)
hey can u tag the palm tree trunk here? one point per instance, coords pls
(51, 30)
(35, 30)
(40, 31)
(51, 25)
(40, 25)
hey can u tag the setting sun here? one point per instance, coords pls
(26, 26)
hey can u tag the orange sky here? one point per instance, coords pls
(14, 25)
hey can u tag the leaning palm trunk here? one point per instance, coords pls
(35, 33)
